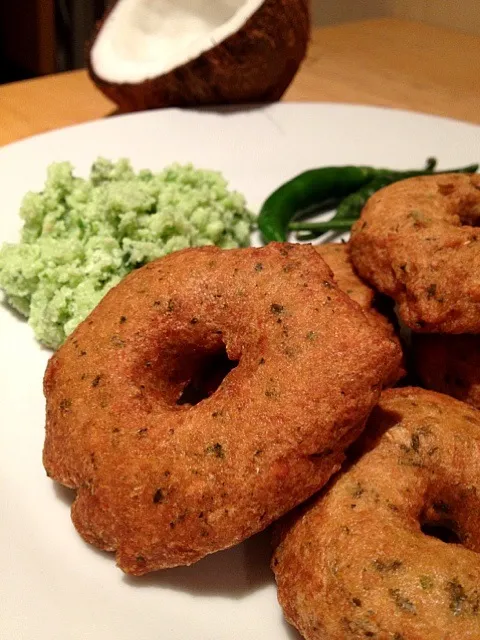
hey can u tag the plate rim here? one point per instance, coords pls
(237, 110)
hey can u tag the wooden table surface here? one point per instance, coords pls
(380, 62)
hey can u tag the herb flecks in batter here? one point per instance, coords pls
(387, 566)
(311, 336)
(271, 393)
(123, 319)
(117, 342)
(277, 309)
(65, 405)
(360, 628)
(431, 291)
(419, 218)
(457, 597)
(415, 442)
(96, 381)
(259, 266)
(170, 306)
(412, 454)
(215, 450)
(158, 496)
(357, 490)
(401, 601)
(393, 507)
(426, 582)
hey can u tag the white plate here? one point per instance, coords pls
(53, 585)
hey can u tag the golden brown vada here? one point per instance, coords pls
(164, 479)
(418, 241)
(391, 549)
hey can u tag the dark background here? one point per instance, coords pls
(45, 36)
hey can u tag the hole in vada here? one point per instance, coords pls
(470, 217)
(469, 213)
(210, 372)
(442, 530)
(466, 207)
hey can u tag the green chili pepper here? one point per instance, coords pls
(311, 188)
(344, 224)
(352, 205)
(350, 208)
(349, 187)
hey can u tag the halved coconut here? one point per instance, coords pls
(160, 53)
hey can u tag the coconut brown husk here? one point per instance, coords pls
(255, 64)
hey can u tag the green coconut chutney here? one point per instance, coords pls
(81, 237)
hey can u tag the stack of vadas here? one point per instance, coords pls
(370, 555)
(211, 392)
(418, 242)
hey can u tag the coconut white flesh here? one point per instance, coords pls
(144, 39)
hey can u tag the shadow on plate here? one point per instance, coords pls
(13, 312)
(221, 110)
(21, 318)
(233, 573)
(292, 633)
(66, 495)
(229, 109)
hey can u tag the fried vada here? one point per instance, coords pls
(417, 241)
(390, 550)
(164, 478)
